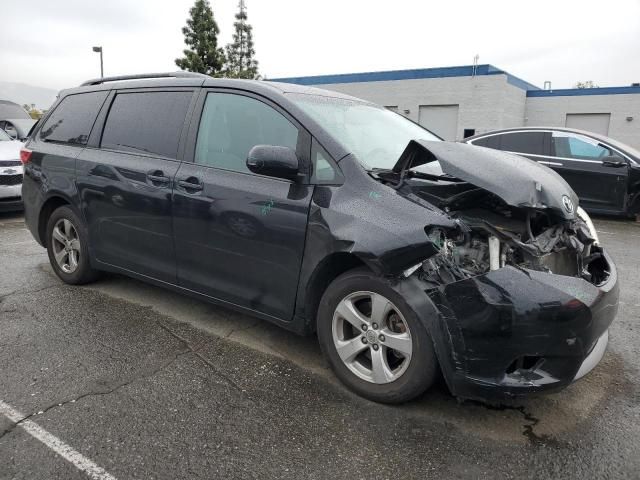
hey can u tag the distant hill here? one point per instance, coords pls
(21, 93)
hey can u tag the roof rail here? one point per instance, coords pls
(179, 74)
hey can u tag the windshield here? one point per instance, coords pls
(375, 135)
(4, 136)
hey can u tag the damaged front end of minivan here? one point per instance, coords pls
(521, 293)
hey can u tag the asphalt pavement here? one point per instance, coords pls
(120, 380)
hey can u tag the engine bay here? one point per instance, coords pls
(493, 234)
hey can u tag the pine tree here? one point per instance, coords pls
(240, 53)
(201, 34)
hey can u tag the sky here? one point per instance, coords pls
(48, 43)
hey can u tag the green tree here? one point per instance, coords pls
(201, 34)
(240, 53)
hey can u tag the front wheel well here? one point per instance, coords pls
(326, 272)
(47, 209)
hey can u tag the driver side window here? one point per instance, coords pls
(567, 146)
(231, 125)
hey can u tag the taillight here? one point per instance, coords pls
(25, 155)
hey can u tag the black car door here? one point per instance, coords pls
(240, 236)
(581, 160)
(125, 181)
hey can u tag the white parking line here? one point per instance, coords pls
(54, 443)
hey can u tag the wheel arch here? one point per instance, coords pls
(331, 267)
(48, 207)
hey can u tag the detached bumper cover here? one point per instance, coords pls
(513, 332)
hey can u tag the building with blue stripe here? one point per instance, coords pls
(460, 101)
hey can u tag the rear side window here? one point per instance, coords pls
(146, 122)
(523, 142)
(73, 118)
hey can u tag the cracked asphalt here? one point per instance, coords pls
(150, 384)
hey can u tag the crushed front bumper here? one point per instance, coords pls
(514, 332)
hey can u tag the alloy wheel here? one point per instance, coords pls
(371, 337)
(66, 245)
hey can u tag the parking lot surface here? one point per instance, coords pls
(120, 379)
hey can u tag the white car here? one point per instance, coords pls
(11, 171)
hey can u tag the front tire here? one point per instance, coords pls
(68, 247)
(374, 341)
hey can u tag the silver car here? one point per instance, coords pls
(11, 171)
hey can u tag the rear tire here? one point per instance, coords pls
(68, 247)
(389, 357)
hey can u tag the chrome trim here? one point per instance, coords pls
(525, 130)
(551, 156)
(556, 164)
(594, 357)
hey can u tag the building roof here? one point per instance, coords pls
(573, 92)
(439, 72)
(459, 71)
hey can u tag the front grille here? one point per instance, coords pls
(9, 180)
(10, 163)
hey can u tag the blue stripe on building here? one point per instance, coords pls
(459, 71)
(574, 92)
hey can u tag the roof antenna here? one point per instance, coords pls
(476, 57)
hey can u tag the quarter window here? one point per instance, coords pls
(324, 170)
(73, 118)
(146, 122)
(231, 125)
(492, 141)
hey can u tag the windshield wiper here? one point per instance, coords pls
(399, 178)
(431, 176)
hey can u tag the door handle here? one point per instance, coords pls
(191, 184)
(158, 176)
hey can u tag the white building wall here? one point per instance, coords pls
(485, 102)
(552, 112)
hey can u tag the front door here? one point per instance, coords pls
(125, 184)
(240, 236)
(579, 159)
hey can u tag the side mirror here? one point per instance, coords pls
(272, 161)
(614, 161)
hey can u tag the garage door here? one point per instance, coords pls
(440, 119)
(591, 122)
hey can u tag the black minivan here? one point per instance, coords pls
(325, 213)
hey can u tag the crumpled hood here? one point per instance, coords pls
(518, 181)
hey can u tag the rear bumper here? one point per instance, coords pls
(515, 332)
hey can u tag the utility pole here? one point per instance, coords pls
(99, 49)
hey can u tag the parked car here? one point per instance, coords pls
(15, 121)
(603, 172)
(406, 254)
(10, 174)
